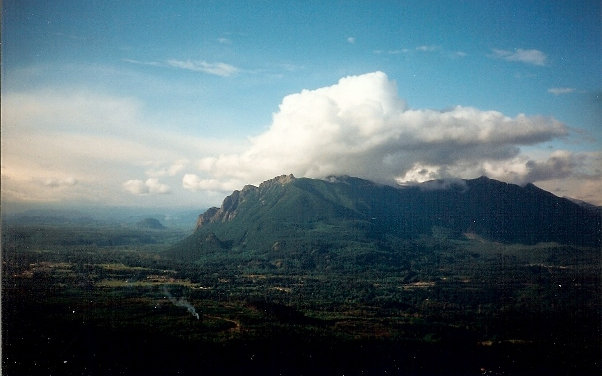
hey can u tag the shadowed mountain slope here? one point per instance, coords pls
(297, 214)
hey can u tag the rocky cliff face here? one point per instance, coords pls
(230, 205)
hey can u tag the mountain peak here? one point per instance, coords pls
(280, 180)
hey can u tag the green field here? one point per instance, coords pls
(84, 301)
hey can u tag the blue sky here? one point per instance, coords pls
(177, 103)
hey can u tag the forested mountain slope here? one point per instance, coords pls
(301, 214)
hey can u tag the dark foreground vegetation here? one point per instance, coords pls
(76, 301)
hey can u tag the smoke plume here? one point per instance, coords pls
(181, 302)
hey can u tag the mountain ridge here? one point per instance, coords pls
(302, 213)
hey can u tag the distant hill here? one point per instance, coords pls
(150, 224)
(96, 216)
(288, 214)
(586, 205)
(54, 217)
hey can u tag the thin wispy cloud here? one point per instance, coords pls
(561, 90)
(426, 48)
(217, 69)
(290, 67)
(224, 40)
(533, 57)
(435, 49)
(391, 52)
(160, 170)
(421, 49)
(57, 183)
(139, 62)
(78, 145)
(351, 40)
(71, 36)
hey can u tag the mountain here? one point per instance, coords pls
(288, 214)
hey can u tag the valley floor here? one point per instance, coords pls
(459, 307)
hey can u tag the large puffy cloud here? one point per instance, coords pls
(361, 127)
(78, 146)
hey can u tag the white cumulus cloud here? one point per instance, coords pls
(361, 127)
(193, 182)
(150, 186)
